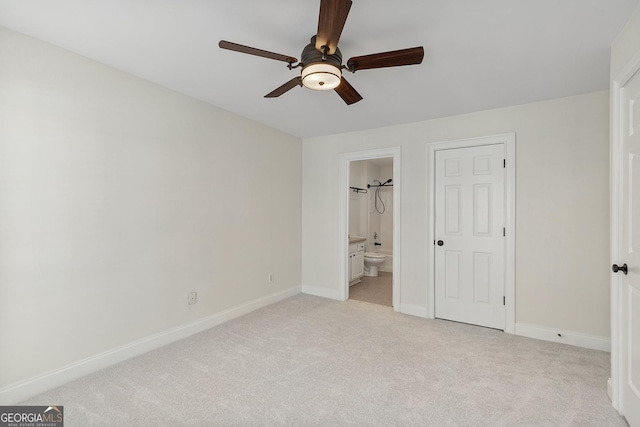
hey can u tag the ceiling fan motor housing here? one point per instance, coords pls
(320, 71)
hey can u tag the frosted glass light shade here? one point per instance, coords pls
(321, 76)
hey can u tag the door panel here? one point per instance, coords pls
(453, 274)
(482, 278)
(452, 167)
(634, 341)
(482, 210)
(630, 253)
(469, 266)
(452, 215)
(634, 206)
(482, 165)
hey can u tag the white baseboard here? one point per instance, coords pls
(563, 336)
(413, 310)
(322, 292)
(21, 391)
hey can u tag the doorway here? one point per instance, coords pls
(371, 230)
(369, 180)
(471, 231)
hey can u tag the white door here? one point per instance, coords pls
(630, 252)
(470, 248)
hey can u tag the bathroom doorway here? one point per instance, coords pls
(371, 219)
(370, 226)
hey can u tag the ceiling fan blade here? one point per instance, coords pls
(333, 15)
(347, 92)
(296, 81)
(257, 52)
(393, 58)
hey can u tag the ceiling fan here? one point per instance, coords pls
(322, 60)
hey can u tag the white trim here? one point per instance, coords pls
(343, 228)
(318, 291)
(16, 393)
(413, 310)
(616, 218)
(509, 141)
(578, 339)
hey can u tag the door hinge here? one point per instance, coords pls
(504, 300)
(504, 232)
(504, 163)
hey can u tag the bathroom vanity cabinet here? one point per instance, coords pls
(356, 262)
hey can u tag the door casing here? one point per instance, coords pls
(509, 141)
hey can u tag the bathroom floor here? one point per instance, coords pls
(376, 290)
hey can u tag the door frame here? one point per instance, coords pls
(617, 85)
(509, 141)
(343, 228)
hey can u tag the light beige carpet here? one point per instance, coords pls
(309, 361)
(376, 290)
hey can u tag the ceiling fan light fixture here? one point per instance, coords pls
(321, 76)
(321, 59)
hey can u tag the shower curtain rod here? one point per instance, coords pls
(379, 185)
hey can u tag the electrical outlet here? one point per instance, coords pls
(193, 298)
(270, 278)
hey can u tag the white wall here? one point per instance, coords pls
(561, 207)
(117, 198)
(358, 200)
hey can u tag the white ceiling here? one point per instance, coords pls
(478, 54)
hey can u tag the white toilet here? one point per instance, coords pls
(371, 262)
